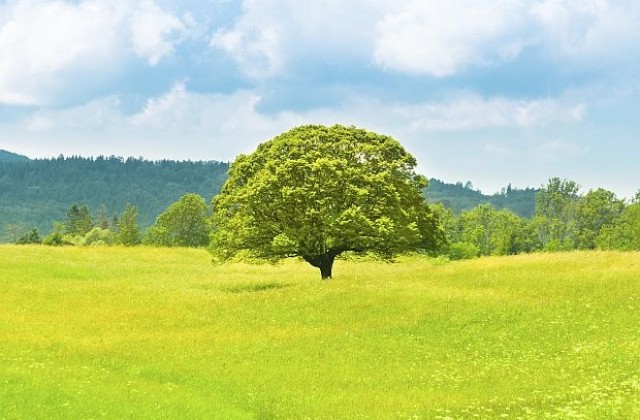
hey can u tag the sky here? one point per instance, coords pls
(492, 92)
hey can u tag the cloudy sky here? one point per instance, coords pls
(495, 91)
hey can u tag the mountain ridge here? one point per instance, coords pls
(7, 156)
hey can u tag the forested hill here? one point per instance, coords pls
(461, 197)
(11, 157)
(35, 193)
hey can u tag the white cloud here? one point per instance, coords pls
(491, 141)
(223, 125)
(177, 124)
(95, 116)
(473, 113)
(150, 27)
(256, 49)
(439, 38)
(51, 47)
(442, 37)
(233, 117)
(162, 110)
(39, 40)
(271, 34)
(592, 30)
(48, 46)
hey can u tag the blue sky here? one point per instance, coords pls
(495, 92)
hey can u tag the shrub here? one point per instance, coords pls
(463, 251)
(98, 236)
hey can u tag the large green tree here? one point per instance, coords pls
(315, 192)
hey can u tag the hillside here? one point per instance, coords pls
(162, 333)
(6, 156)
(463, 197)
(36, 193)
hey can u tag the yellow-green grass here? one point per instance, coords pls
(163, 333)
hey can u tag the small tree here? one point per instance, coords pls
(128, 233)
(56, 237)
(31, 237)
(479, 227)
(184, 223)
(462, 251)
(103, 219)
(315, 192)
(78, 220)
(556, 214)
(98, 236)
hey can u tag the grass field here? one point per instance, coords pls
(157, 333)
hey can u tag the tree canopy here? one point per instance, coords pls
(316, 192)
(555, 213)
(184, 223)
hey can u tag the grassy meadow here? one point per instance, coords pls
(163, 333)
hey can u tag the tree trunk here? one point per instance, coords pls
(324, 262)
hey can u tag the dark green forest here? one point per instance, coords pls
(35, 193)
(459, 198)
(11, 157)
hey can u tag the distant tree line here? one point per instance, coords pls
(461, 197)
(36, 193)
(184, 224)
(554, 217)
(563, 220)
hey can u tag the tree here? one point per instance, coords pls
(184, 223)
(514, 235)
(31, 237)
(624, 232)
(128, 233)
(56, 237)
(316, 192)
(495, 232)
(478, 227)
(98, 236)
(555, 214)
(103, 219)
(448, 223)
(598, 208)
(78, 221)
